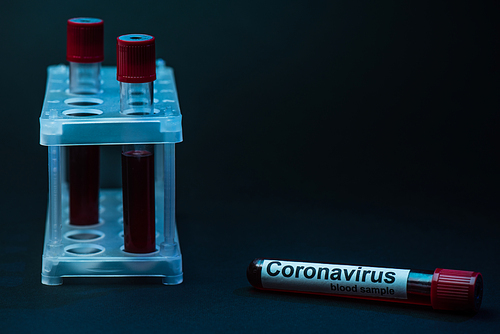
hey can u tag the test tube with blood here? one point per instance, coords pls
(443, 289)
(84, 51)
(136, 71)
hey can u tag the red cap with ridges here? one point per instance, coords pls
(135, 58)
(85, 40)
(456, 290)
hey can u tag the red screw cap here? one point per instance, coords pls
(456, 290)
(135, 58)
(85, 40)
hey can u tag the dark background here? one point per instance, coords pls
(351, 132)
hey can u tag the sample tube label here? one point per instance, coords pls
(335, 279)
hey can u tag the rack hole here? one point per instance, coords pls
(84, 249)
(138, 113)
(157, 250)
(83, 101)
(83, 236)
(82, 112)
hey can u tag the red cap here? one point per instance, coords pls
(135, 58)
(85, 40)
(456, 290)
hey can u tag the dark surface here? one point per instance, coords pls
(349, 132)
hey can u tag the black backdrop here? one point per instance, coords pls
(353, 132)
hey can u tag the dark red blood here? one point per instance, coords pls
(84, 185)
(138, 201)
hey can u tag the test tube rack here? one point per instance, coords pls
(69, 120)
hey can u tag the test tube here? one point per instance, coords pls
(443, 289)
(136, 71)
(84, 51)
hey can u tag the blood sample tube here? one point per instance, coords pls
(443, 289)
(136, 71)
(84, 51)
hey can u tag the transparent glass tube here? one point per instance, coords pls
(138, 198)
(443, 289)
(138, 175)
(136, 98)
(84, 78)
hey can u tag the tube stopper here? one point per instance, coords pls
(135, 61)
(456, 290)
(85, 40)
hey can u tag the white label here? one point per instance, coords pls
(335, 279)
